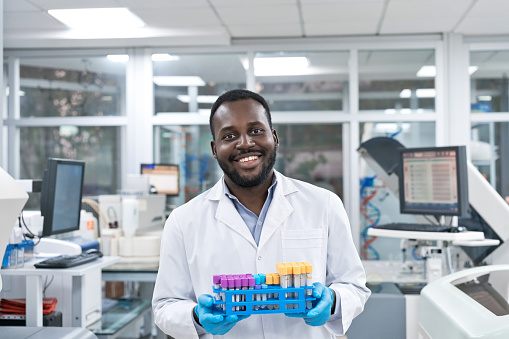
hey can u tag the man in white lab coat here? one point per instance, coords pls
(253, 218)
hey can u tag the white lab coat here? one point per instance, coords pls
(207, 236)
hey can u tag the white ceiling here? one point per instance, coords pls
(217, 22)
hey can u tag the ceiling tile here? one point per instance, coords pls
(489, 8)
(178, 17)
(338, 1)
(260, 31)
(340, 28)
(484, 25)
(453, 10)
(19, 5)
(438, 25)
(243, 3)
(162, 4)
(31, 20)
(66, 4)
(344, 12)
(275, 15)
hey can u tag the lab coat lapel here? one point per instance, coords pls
(279, 210)
(227, 213)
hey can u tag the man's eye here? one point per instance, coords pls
(257, 130)
(228, 136)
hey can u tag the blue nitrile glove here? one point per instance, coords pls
(318, 315)
(214, 323)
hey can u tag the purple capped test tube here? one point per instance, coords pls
(231, 287)
(238, 286)
(216, 279)
(245, 285)
(224, 287)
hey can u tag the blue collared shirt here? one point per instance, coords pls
(253, 222)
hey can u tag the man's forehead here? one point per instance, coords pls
(241, 109)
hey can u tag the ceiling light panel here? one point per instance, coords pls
(178, 81)
(97, 18)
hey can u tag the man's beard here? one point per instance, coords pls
(242, 181)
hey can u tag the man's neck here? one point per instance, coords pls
(254, 197)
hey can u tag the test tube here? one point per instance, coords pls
(258, 297)
(258, 286)
(238, 286)
(231, 286)
(289, 276)
(216, 279)
(263, 278)
(264, 296)
(270, 296)
(296, 281)
(309, 292)
(251, 283)
(276, 295)
(303, 275)
(245, 286)
(224, 287)
(283, 276)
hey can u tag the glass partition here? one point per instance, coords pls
(303, 81)
(71, 86)
(489, 82)
(489, 149)
(397, 81)
(97, 146)
(191, 83)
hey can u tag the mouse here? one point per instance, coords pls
(96, 251)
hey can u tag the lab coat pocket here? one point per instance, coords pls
(306, 245)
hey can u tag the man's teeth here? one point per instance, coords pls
(253, 157)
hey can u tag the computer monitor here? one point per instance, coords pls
(163, 178)
(433, 181)
(61, 195)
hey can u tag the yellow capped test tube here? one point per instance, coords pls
(283, 274)
(269, 281)
(289, 269)
(309, 292)
(296, 281)
(275, 279)
(303, 275)
(296, 274)
(282, 269)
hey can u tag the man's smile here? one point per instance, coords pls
(249, 158)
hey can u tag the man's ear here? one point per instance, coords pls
(276, 139)
(213, 148)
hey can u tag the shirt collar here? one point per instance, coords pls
(231, 196)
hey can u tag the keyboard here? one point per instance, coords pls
(411, 227)
(65, 261)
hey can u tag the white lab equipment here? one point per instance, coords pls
(130, 216)
(12, 199)
(150, 216)
(467, 304)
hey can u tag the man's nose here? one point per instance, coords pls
(245, 141)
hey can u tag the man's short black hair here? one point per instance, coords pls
(235, 95)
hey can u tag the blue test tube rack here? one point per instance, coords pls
(253, 306)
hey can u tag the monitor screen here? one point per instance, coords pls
(163, 178)
(433, 181)
(61, 194)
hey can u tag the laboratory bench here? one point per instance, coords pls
(117, 317)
